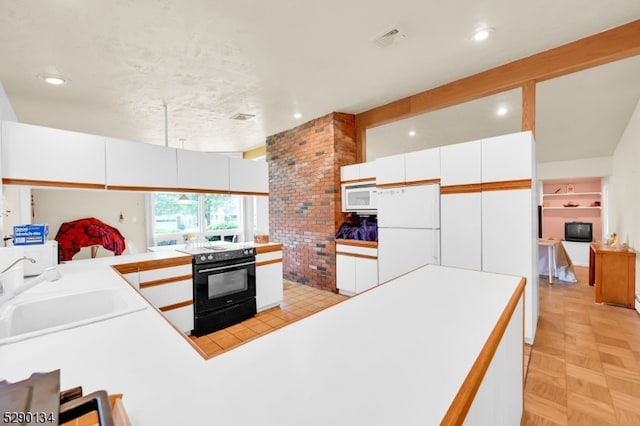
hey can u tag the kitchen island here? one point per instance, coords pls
(412, 351)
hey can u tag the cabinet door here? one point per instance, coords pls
(248, 176)
(346, 274)
(140, 165)
(366, 271)
(367, 170)
(350, 172)
(422, 165)
(390, 170)
(182, 318)
(616, 276)
(52, 155)
(169, 294)
(460, 163)
(269, 290)
(508, 157)
(203, 170)
(509, 243)
(461, 228)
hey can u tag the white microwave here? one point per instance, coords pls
(359, 197)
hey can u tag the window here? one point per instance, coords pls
(176, 217)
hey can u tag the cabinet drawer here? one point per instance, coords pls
(356, 251)
(164, 273)
(269, 257)
(169, 294)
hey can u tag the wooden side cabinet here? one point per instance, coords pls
(613, 271)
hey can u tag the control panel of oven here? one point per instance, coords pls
(220, 256)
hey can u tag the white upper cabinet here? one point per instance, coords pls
(460, 164)
(508, 157)
(140, 165)
(367, 170)
(203, 170)
(44, 154)
(350, 172)
(248, 176)
(422, 165)
(358, 171)
(390, 170)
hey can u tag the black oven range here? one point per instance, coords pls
(224, 285)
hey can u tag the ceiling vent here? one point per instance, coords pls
(242, 117)
(388, 38)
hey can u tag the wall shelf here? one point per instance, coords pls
(586, 193)
(572, 208)
(574, 194)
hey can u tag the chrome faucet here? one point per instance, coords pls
(16, 262)
(49, 274)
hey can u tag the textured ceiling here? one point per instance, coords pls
(209, 60)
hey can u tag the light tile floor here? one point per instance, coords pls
(299, 302)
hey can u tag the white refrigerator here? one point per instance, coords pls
(408, 229)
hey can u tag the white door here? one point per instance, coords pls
(509, 244)
(366, 274)
(461, 227)
(409, 207)
(402, 250)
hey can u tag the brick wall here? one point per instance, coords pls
(304, 195)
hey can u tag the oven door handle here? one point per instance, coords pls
(222, 268)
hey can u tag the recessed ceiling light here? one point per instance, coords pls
(53, 79)
(481, 35)
(502, 111)
(412, 133)
(297, 116)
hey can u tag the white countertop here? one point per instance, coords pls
(394, 355)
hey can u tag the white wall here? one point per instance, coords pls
(6, 110)
(624, 187)
(55, 206)
(588, 167)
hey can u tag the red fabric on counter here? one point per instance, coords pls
(72, 236)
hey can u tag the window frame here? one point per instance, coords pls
(167, 239)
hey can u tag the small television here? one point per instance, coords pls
(581, 232)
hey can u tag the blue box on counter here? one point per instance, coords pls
(24, 235)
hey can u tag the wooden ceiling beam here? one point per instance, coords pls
(599, 49)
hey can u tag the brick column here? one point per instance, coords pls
(304, 195)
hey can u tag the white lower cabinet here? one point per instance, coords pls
(181, 317)
(168, 285)
(269, 281)
(356, 268)
(166, 295)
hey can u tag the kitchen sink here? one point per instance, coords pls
(26, 317)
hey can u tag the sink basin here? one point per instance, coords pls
(23, 318)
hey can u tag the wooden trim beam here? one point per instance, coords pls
(599, 49)
(254, 153)
(529, 107)
(54, 183)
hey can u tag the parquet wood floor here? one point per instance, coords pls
(584, 365)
